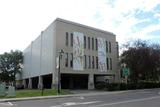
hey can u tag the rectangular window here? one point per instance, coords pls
(71, 39)
(89, 60)
(84, 42)
(71, 60)
(66, 38)
(107, 64)
(96, 62)
(92, 43)
(96, 44)
(92, 62)
(66, 60)
(88, 42)
(109, 47)
(110, 63)
(117, 48)
(106, 47)
(85, 61)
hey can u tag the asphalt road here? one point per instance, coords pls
(137, 98)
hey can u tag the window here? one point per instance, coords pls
(66, 60)
(117, 48)
(85, 61)
(88, 42)
(106, 47)
(92, 43)
(89, 60)
(96, 44)
(92, 62)
(84, 42)
(66, 38)
(110, 63)
(107, 64)
(71, 39)
(109, 47)
(71, 60)
(96, 62)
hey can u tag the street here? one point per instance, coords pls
(136, 98)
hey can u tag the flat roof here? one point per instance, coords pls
(85, 26)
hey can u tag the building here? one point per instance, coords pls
(90, 55)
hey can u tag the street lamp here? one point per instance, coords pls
(59, 74)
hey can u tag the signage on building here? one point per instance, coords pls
(102, 66)
(78, 50)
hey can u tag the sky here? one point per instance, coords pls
(21, 21)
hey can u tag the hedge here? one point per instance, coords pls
(129, 86)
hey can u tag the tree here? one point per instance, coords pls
(10, 64)
(143, 60)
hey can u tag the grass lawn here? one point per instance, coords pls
(34, 93)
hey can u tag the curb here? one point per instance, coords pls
(59, 96)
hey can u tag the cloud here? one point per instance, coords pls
(22, 21)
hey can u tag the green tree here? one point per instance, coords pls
(143, 60)
(10, 65)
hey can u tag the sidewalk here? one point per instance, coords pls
(76, 94)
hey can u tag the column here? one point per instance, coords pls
(24, 83)
(91, 82)
(40, 82)
(54, 80)
(30, 83)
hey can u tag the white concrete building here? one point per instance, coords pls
(90, 55)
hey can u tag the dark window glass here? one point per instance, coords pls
(117, 49)
(107, 64)
(84, 42)
(85, 61)
(96, 62)
(109, 47)
(110, 63)
(66, 38)
(66, 60)
(71, 60)
(89, 60)
(88, 42)
(93, 62)
(92, 43)
(106, 47)
(96, 44)
(71, 39)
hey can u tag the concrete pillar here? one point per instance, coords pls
(40, 82)
(54, 81)
(24, 83)
(30, 83)
(91, 82)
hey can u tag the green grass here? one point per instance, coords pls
(34, 93)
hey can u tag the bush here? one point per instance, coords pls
(129, 86)
(100, 85)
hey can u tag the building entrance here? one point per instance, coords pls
(74, 81)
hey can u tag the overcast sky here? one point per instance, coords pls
(21, 21)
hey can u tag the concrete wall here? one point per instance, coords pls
(38, 56)
(64, 26)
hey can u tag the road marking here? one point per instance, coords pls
(7, 104)
(128, 101)
(76, 103)
(81, 98)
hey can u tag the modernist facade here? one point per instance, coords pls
(90, 55)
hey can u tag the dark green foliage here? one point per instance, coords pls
(10, 64)
(130, 86)
(143, 59)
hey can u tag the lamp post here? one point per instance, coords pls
(59, 74)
